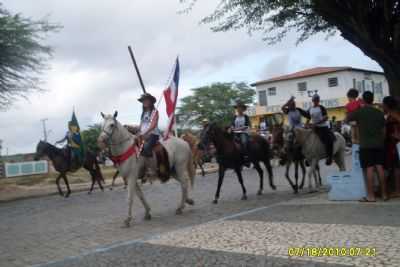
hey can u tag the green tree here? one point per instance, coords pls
(23, 56)
(371, 25)
(214, 102)
(90, 136)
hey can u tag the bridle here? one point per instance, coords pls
(109, 135)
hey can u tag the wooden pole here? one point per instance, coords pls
(137, 69)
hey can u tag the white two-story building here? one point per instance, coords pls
(331, 83)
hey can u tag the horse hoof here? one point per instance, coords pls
(244, 197)
(259, 193)
(190, 201)
(273, 187)
(111, 188)
(215, 201)
(90, 192)
(179, 211)
(147, 217)
(127, 223)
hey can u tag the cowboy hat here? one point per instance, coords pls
(240, 104)
(147, 96)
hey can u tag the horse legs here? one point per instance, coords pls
(58, 185)
(221, 173)
(113, 180)
(131, 195)
(203, 173)
(181, 177)
(240, 178)
(303, 169)
(99, 179)
(67, 184)
(311, 173)
(146, 206)
(296, 175)
(268, 166)
(261, 174)
(93, 182)
(318, 173)
(288, 177)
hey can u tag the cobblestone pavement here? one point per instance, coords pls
(85, 230)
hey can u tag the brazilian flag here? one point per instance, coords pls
(75, 141)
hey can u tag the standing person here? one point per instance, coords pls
(353, 104)
(392, 138)
(240, 127)
(263, 127)
(319, 118)
(294, 113)
(149, 131)
(371, 123)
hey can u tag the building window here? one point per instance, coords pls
(302, 87)
(333, 82)
(272, 91)
(262, 98)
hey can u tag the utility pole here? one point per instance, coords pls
(44, 128)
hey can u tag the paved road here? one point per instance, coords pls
(87, 228)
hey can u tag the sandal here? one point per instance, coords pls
(364, 199)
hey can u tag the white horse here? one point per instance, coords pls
(120, 141)
(313, 150)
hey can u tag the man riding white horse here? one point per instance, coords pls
(319, 118)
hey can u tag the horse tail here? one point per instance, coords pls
(191, 170)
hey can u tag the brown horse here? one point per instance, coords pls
(197, 153)
(62, 166)
(229, 156)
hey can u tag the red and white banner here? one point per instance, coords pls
(171, 97)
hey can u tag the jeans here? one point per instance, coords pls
(244, 141)
(149, 144)
(327, 138)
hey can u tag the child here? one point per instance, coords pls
(354, 104)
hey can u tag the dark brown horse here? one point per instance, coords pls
(229, 156)
(61, 164)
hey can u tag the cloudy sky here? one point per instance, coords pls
(91, 69)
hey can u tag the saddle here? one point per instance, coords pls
(160, 162)
(163, 165)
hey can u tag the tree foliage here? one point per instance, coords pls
(371, 25)
(214, 102)
(90, 136)
(23, 54)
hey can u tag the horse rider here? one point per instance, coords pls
(294, 113)
(240, 127)
(74, 146)
(320, 124)
(149, 131)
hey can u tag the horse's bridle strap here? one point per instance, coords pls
(118, 160)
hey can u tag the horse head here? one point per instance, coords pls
(108, 131)
(208, 135)
(41, 150)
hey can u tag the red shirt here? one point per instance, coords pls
(354, 105)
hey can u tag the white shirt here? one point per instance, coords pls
(240, 121)
(146, 122)
(317, 117)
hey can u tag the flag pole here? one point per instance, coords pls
(137, 69)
